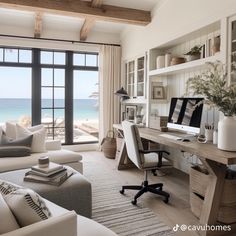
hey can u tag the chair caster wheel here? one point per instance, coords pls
(166, 200)
(122, 191)
(134, 202)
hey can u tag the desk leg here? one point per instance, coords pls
(123, 159)
(213, 195)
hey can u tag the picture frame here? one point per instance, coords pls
(158, 92)
(130, 112)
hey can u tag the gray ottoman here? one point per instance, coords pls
(73, 194)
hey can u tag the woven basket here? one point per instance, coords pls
(109, 145)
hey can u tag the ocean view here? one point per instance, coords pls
(13, 109)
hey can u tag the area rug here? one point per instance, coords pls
(116, 212)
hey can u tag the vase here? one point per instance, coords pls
(227, 134)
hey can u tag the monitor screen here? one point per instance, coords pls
(185, 115)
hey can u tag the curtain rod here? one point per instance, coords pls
(57, 40)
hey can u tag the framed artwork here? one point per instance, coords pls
(158, 92)
(130, 112)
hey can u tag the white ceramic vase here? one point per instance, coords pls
(227, 134)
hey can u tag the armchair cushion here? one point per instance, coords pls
(8, 222)
(27, 206)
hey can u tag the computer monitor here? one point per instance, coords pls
(185, 115)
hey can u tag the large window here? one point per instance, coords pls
(56, 88)
(15, 85)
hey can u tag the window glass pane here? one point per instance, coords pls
(59, 58)
(47, 117)
(11, 55)
(79, 59)
(91, 60)
(47, 77)
(25, 56)
(1, 54)
(59, 77)
(47, 97)
(46, 57)
(15, 95)
(59, 115)
(59, 96)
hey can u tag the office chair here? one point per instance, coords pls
(146, 160)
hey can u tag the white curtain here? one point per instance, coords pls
(109, 83)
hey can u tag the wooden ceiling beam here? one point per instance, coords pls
(89, 22)
(81, 9)
(38, 24)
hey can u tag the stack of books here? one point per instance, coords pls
(54, 174)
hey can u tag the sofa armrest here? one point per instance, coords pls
(62, 225)
(52, 145)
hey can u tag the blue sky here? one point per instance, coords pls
(16, 83)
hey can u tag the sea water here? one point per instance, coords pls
(13, 109)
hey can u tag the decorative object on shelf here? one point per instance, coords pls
(167, 59)
(130, 112)
(194, 53)
(158, 92)
(177, 60)
(160, 63)
(216, 45)
(122, 94)
(212, 84)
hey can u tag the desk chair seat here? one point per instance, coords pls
(146, 160)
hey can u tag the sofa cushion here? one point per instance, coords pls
(0, 133)
(27, 206)
(39, 136)
(7, 187)
(6, 141)
(14, 151)
(59, 156)
(8, 222)
(11, 130)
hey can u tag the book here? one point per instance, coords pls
(45, 180)
(52, 168)
(51, 175)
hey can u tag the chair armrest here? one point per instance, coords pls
(154, 150)
(52, 145)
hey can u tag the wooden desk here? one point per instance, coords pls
(215, 161)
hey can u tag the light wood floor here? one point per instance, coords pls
(175, 182)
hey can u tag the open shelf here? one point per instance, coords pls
(159, 101)
(135, 101)
(187, 66)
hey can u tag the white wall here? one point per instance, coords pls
(171, 20)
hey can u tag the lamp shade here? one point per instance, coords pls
(122, 93)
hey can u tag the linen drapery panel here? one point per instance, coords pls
(109, 83)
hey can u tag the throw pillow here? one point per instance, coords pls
(8, 222)
(35, 128)
(27, 206)
(39, 136)
(6, 141)
(15, 151)
(7, 187)
(11, 130)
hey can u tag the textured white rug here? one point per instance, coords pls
(116, 212)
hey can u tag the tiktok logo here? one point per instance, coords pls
(176, 227)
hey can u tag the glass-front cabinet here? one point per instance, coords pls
(232, 49)
(136, 77)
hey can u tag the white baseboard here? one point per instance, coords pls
(82, 147)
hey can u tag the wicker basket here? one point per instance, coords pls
(198, 186)
(109, 145)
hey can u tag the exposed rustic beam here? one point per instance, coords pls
(38, 25)
(81, 9)
(89, 22)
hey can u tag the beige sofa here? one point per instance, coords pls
(62, 222)
(55, 153)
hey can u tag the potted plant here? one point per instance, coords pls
(213, 85)
(194, 53)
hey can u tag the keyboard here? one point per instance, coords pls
(171, 136)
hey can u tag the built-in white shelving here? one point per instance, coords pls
(135, 101)
(187, 66)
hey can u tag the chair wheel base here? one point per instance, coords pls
(122, 191)
(134, 202)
